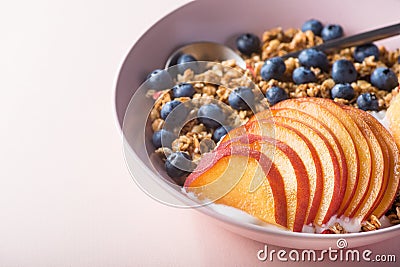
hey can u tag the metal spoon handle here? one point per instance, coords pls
(354, 40)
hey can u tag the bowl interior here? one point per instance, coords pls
(222, 21)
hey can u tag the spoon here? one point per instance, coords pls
(210, 51)
(354, 40)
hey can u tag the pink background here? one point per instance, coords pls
(66, 197)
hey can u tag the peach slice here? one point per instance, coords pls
(393, 118)
(319, 128)
(331, 121)
(302, 146)
(237, 166)
(363, 152)
(293, 172)
(326, 198)
(378, 165)
(388, 192)
(328, 189)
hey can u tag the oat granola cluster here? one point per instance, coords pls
(277, 42)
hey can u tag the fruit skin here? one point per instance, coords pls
(163, 137)
(159, 79)
(331, 31)
(394, 175)
(303, 75)
(154, 73)
(384, 79)
(248, 44)
(335, 124)
(178, 164)
(343, 71)
(280, 129)
(319, 127)
(276, 94)
(314, 58)
(345, 91)
(288, 130)
(210, 177)
(179, 115)
(241, 98)
(368, 101)
(312, 25)
(185, 58)
(211, 116)
(366, 50)
(220, 132)
(297, 214)
(183, 90)
(370, 199)
(326, 200)
(362, 151)
(273, 68)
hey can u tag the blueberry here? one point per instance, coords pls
(159, 79)
(384, 79)
(177, 117)
(185, 58)
(303, 75)
(314, 58)
(248, 43)
(154, 73)
(343, 90)
(331, 31)
(220, 132)
(275, 94)
(183, 90)
(168, 108)
(163, 138)
(273, 68)
(366, 50)
(211, 116)
(312, 25)
(178, 164)
(241, 98)
(367, 101)
(343, 71)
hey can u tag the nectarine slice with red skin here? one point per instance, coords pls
(301, 145)
(330, 179)
(362, 148)
(327, 196)
(320, 128)
(293, 171)
(344, 138)
(378, 166)
(392, 187)
(267, 203)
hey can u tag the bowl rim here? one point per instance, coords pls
(122, 64)
(205, 209)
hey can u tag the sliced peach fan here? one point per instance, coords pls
(325, 161)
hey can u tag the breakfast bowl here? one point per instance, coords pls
(222, 22)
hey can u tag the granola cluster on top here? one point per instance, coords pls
(277, 42)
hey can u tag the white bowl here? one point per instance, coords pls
(221, 21)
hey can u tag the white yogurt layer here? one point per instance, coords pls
(352, 225)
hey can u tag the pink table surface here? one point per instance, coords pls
(66, 198)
